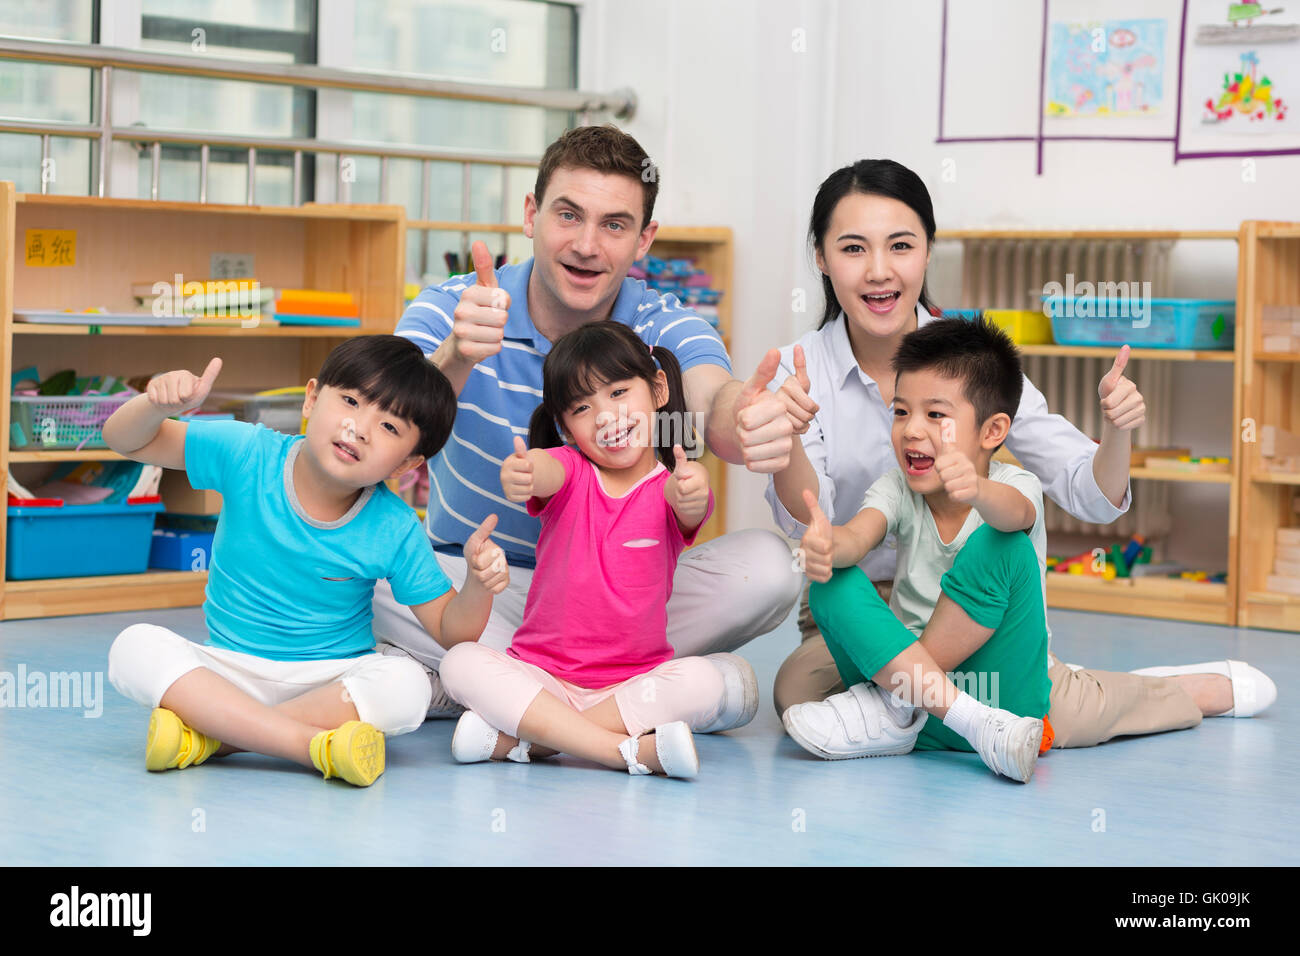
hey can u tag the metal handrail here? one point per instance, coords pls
(620, 103)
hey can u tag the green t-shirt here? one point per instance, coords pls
(922, 557)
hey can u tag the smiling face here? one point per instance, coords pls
(922, 400)
(355, 442)
(586, 233)
(613, 426)
(875, 253)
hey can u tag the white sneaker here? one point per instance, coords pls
(675, 748)
(741, 701)
(475, 740)
(1008, 744)
(1252, 690)
(855, 723)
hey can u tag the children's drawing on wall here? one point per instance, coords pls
(1245, 95)
(1239, 26)
(1106, 68)
(1244, 65)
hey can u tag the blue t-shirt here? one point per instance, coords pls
(502, 391)
(282, 585)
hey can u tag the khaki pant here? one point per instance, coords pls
(1087, 707)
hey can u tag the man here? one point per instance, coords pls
(590, 217)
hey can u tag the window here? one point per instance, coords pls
(44, 92)
(512, 42)
(276, 31)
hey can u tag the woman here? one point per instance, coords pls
(873, 229)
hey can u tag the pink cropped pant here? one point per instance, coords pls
(500, 688)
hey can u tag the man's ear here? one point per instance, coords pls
(994, 432)
(530, 214)
(661, 389)
(646, 238)
(309, 400)
(410, 463)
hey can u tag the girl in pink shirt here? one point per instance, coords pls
(590, 670)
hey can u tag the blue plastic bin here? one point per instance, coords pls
(178, 550)
(1206, 324)
(79, 540)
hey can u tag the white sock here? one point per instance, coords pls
(900, 710)
(965, 715)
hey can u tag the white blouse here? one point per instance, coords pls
(848, 443)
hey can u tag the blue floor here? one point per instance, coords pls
(74, 791)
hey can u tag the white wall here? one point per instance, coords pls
(735, 121)
(744, 128)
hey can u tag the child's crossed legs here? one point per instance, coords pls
(523, 701)
(989, 621)
(269, 707)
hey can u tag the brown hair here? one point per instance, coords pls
(606, 149)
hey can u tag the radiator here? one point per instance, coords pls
(1011, 274)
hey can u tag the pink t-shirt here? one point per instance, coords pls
(597, 611)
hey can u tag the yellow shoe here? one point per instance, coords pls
(173, 744)
(354, 751)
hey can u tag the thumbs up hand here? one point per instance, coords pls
(954, 468)
(794, 392)
(1122, 404)
(479, 321)
(517, 474)
(174, 393)
(818, 541)
(486, 561)
(763, 428)
(687, 491)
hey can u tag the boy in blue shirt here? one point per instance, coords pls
(306, 528)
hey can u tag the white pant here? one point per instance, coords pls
(726, 592)
(390, 693)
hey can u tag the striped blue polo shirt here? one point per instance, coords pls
(503, 390)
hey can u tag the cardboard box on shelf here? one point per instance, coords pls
(181, 497)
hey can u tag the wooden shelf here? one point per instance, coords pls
(435, 225)
(55, 597)
(702, 234)
(1275, 478)
(359, 212)
(1268, 274)
(1106, 351)
(1274, 597)
(86, 454)
(1173, 598)
(1269, 609)
(1159, 474)
(193, 331)
(359, 249)
(1119, 234)
(1276, 230)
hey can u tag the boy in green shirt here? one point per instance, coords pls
(969, 587)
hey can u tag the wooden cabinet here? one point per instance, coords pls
(356, 249)
(1269, 421)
